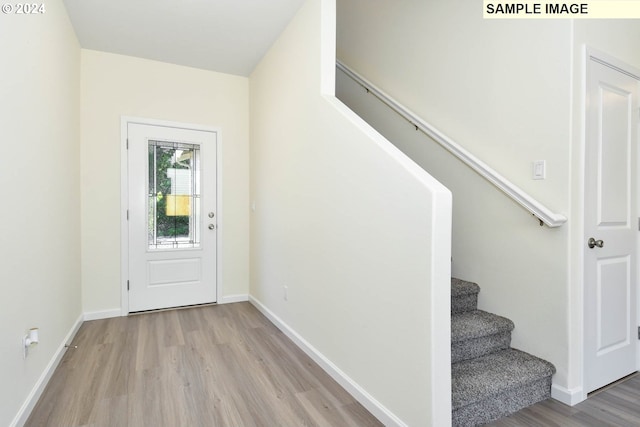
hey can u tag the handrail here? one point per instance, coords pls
(544, 214)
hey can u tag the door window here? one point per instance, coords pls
(174, 195)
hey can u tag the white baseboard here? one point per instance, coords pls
(24, 412)
(116, 312)
(105, 314)
(567, 396)
(376, 408)
(234, 298)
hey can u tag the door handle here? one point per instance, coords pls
(593, 243)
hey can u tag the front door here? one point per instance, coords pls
(172, 216)
(611, 225)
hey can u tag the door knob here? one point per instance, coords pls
(211, 226)
(593, 243)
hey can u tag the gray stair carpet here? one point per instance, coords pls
(493, 386)
(464, 295)
(489, 380)
(476, 333)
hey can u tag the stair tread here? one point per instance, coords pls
(477, 379)
(462, 287)
(476, 324)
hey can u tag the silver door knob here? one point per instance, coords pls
(592, 243)
(211, 226)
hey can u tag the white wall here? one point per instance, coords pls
(510, 92)
(116, 85)
(39, 177)
(498, 87)
(357, 232)
(501, 89)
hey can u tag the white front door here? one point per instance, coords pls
(611, 225)
(172, 216)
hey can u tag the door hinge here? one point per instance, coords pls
(128, 215)
(128, 289)
(127, 143)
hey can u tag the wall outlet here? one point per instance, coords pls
(28, 340)
(285, 292)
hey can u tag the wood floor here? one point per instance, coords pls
(615, 406)
(227, 365)
(221, 365)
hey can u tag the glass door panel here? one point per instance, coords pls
(173, 195)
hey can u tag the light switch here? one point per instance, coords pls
(539, 169)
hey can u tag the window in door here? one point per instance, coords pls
(174, 195)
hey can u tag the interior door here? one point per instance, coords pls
(611, 225)
(172, 216)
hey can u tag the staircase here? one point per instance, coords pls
(489, 379)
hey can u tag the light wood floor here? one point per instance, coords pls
(223, 365)
(615, 406)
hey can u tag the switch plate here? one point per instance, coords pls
(539, 169)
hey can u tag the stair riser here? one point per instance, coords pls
(470, 349)
(489, 379)
(502, 404)
(462, 303)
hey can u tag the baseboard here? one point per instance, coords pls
(567, 396)
(234, 298)
(116, 312)
(105, 314)
(376, 408)
(24, 412)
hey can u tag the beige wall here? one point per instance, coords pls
(115, 85)
(356, 231)
(40, 181)
(497, 87)
(500, 89)
(510, 92)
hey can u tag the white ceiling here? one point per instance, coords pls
(228, 36)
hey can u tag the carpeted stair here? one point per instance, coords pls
(489, 379)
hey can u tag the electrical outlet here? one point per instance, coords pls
(28, 340)
(285, 292)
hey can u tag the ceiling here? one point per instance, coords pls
(228, 36)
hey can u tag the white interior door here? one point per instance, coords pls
(172, 216)
(611, 225)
